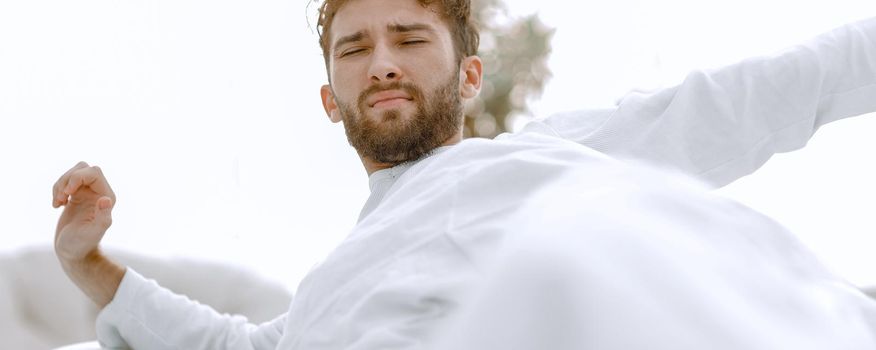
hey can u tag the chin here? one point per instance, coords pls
(392, 115)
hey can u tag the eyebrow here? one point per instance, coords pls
(394, 28)
(406, 28)
(357, 36)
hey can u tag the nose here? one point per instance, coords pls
(384, 67)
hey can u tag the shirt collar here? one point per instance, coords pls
(391, 174)
(382, 180)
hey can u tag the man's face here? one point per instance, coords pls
(394, 79)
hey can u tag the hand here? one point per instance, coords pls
(88, 201)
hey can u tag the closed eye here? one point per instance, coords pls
(413, 42)
(351, 52)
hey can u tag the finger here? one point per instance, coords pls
(91, 177)
(103, 213)
(59, 198)
(104, 203)
(62, 181)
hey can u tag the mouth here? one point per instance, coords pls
(389, 98)
(390, 102)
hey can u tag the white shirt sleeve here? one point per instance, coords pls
(723, 124)
(143, 315)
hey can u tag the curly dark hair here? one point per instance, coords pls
(457, 13)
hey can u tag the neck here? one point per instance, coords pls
(372, 165)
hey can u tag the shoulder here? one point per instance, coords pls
(567, 124)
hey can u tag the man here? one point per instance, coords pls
(555, 237)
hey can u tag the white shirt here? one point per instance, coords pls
(429, 238)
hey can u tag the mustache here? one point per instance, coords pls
(411, 89)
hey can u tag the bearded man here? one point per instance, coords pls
(562, 236)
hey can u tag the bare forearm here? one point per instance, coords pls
(96, 275)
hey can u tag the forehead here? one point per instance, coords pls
(374, 15)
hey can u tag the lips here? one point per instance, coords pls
(388, 97)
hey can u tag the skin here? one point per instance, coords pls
(88, 201)
(383, 56)
(424, 57)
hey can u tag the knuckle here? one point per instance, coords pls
(72, 182)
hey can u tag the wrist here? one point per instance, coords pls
(95, 274)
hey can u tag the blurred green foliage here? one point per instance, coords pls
(515, 54)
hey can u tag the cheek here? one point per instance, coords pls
(345, 87)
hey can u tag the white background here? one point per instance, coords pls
(205, 116)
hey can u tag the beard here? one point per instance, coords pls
(393, 138)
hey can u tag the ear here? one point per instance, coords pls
(329, 104)
(471, 76)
